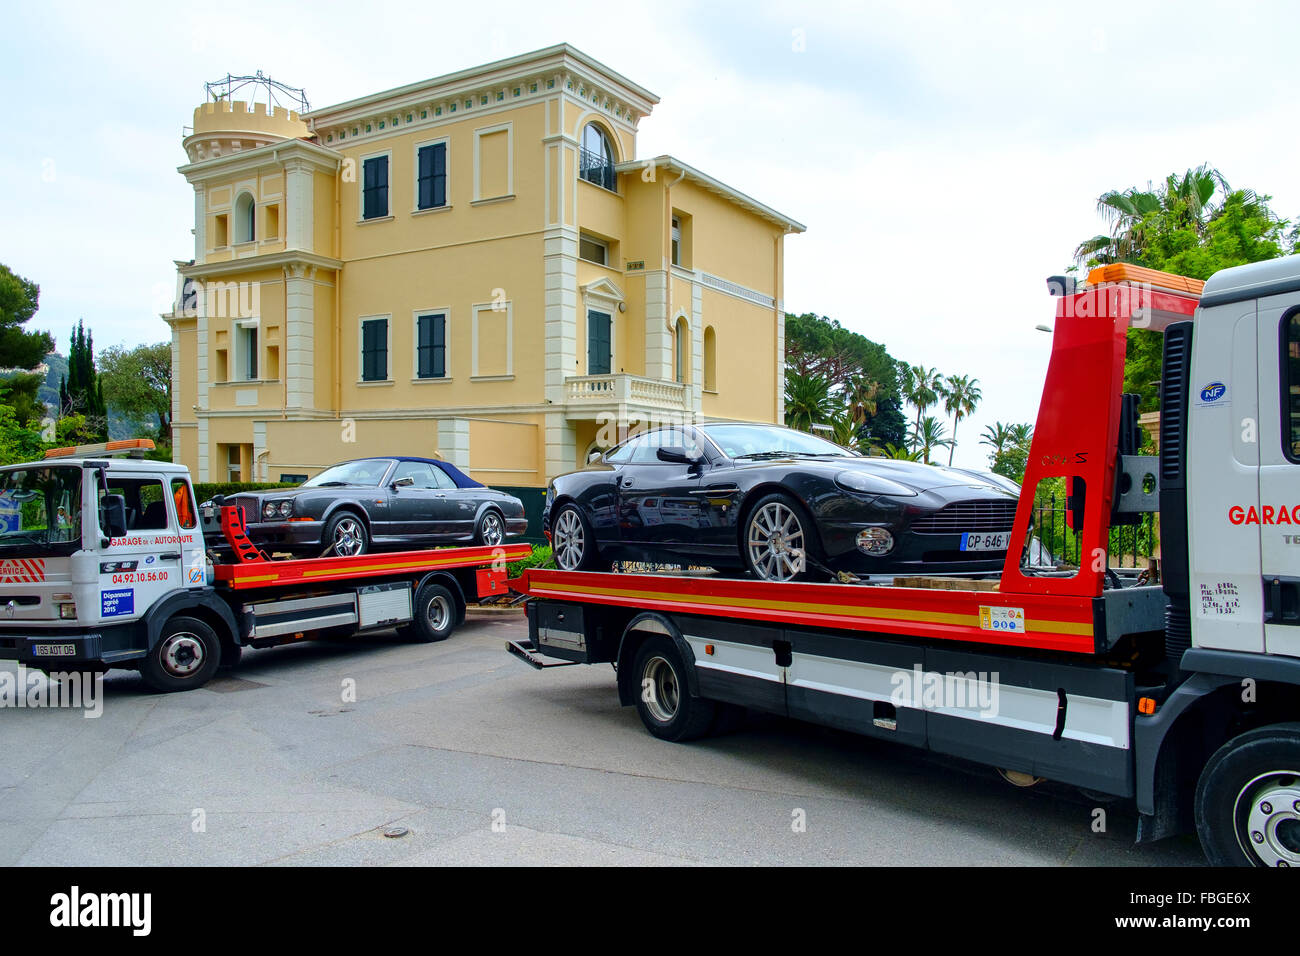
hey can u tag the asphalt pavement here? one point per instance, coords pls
(312, 754)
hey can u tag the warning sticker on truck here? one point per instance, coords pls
(1011, 619)
(117, 603)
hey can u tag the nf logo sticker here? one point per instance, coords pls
(1213, 394)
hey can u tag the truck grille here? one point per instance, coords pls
(961, 516)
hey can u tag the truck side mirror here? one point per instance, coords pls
(112, 516)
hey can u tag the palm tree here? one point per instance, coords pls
(862, 393)
(961, 396)
(1022, 435)
(998, 437)
(901, 454)
(844, 429)
(1185, 201)
(808, 401)
(924, 386)
(929, 435)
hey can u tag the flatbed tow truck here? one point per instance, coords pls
(1181, 696)
(104, 564)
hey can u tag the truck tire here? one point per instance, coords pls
(434, 614)
(186, 656)
(663, 699)
(1248, 799)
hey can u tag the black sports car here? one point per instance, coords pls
(371, 504)
(777, 502)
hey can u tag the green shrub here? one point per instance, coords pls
(207, 490)
(541, 557)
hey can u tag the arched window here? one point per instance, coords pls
(245, 218)
(682, 348)
(596, 158)
(710, 359)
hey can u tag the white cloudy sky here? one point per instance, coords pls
(946, 157)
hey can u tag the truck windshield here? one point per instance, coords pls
(40, 511)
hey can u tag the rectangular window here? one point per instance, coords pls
(1291, 386)
(677, 241)
(593, 250)
(432, 182)
(598, 343)
(248, 346)
(431, 346)
(374, 350)
(374, 187)
(185, 513)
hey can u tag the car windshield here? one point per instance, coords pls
(40, 510)
(367, 472)
(755, 441)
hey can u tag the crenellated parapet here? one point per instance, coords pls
(224, 127)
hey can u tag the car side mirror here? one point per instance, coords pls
(403, 482)
(677, 455)
(112, 516)
(595, 456)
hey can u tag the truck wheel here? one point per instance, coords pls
(434, 614)
(665, 704)
(186, 656)
(345, 535)
(573, 542)
(1248, 799)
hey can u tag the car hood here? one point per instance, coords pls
(915, 476)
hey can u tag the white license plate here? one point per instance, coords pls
(54, 650)
(997, 541)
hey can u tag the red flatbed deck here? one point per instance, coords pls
(268, 574)
(1055, 622)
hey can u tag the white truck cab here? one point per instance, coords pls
(92, 538)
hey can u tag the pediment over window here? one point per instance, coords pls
(603, 288)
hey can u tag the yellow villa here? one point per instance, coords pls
(477, 267)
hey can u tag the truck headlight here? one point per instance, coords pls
(68, 611)
(875, 541)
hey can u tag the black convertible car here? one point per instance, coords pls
(777, 502)
(377, 503)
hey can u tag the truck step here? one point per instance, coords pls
(526, 651)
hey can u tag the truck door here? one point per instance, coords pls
(147, 562)
(1279, 471)
(193, 557)
(1223, 479)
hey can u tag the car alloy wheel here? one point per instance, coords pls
(776, 542)
(349, 539)
(569, 540)
(491, 533)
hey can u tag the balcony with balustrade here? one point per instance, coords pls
(587, 396)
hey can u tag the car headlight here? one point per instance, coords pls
(286, 508)
(875, 541)
(269, 510)
(865, 483)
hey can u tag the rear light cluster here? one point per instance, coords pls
(277, 509)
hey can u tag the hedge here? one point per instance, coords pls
(207, 490)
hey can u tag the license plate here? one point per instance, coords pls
(54, 650)
(996, 541)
